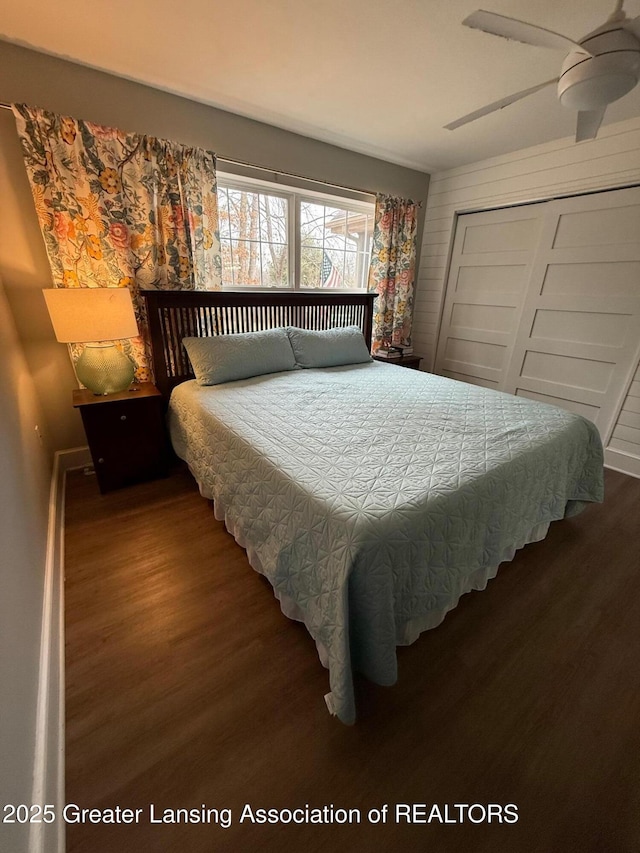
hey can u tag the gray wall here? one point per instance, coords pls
(24, 492)
(67, 88)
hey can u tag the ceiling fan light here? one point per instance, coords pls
(596, 91)
(597, 81)
(590, 83)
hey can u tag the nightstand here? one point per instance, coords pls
(411, 361)
(126, 434)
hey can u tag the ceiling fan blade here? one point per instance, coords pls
(589, 122)
(510, 28)
(498, 105)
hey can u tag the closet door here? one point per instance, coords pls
(579, 335)
(543, 301)
(491, 264)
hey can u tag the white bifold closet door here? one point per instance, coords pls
(543, 301)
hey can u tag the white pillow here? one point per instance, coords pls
(224, 358)
(329, 348)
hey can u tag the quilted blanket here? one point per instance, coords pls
(372, 497)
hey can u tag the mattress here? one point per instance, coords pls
(372, 497)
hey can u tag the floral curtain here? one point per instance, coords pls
(391, 275)
(120, 209)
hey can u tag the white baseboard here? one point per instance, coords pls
(76, 457)
(48, 774)
(625, 463)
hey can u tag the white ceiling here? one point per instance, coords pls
(378, 76)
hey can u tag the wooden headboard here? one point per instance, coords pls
(176, 314)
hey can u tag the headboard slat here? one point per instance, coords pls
(175, 314)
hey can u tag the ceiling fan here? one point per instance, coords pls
(600, 68)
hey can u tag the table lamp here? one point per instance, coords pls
(95, 316)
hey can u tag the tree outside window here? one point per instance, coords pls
(290, 239)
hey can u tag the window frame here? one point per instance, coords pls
(294, 197)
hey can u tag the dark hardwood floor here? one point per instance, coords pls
(187, 686)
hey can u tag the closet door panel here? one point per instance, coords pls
(584, 279)
(601, 221)
(578, 408)
(488, 279)
(581, 327)
(579, 333)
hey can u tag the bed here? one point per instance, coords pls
(371, 497)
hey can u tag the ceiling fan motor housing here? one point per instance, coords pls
(592, 82)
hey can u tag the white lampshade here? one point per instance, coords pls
(82, 314)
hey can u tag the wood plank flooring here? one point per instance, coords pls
(187, 686)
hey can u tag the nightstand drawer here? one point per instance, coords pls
(122, 421)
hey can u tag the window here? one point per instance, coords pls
(254, 237)
(282, 237)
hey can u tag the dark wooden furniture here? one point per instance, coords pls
(126, 434)
(174, 315)
(411, 361)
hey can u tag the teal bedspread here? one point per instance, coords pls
(372, 497)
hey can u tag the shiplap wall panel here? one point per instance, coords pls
(541, 172)
(625, 437)
(632, 404)
(561, 163)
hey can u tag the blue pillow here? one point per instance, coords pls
(329, 348)
(224, 358)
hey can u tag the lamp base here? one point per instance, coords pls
(104, 369)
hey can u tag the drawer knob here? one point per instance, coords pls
(123, 417)
(101, 461)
